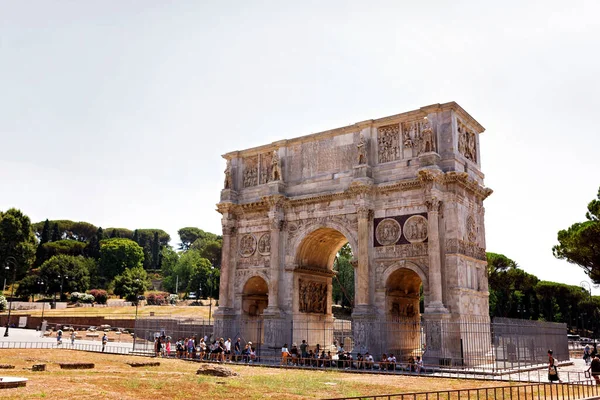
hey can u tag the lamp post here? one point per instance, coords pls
(137, 301)
(41, 283)
(12, 290)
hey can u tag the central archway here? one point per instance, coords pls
(313, 286)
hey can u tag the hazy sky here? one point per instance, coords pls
(117, 112)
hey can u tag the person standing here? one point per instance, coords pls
(285, 353)
(228, 350)
(73, 336)
(552, 370)
(104, 341)
(237, 349)
(595, 369)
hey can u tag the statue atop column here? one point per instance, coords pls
(228, 183)
(362, 150)
(275, 167)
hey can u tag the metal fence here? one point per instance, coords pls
(571, 391)
(147, 329)
(473, 344)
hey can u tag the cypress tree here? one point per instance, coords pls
(55, 233)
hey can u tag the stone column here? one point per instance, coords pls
(436, 304)
(225, 297)
(276, 223)
(362, 271)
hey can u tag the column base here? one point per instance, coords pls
(436, 307)
(276, 187)
(362, 171)
(429, 159)
(225, 322)
(363, 326)
(439, 339)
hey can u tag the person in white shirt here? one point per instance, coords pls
(285, 353)
(228, 350)
(369, 361)
(391, 362)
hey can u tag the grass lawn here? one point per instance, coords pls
(112, 378)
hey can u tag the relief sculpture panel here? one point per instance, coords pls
(467, 142)
(388, 232)
(264, 244)
(250, 171)
(388, 143)
(415, 229)
(312, 297)
(247, 245)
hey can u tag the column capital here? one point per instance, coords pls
(228, 224)
(276, 202)
(363, 211)
(276, 222)
(434, 204)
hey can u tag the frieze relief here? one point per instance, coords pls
(401, 251)
(469, 249)
(255, 261)
(312, 297)
(388, 143)
(467, 142)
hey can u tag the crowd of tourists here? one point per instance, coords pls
(337, 357)
(218, 349)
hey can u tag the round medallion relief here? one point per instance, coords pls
(247, 245)
(388, 232)
(264, 244)
(415, 229)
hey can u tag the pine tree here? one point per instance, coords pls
(136, 236)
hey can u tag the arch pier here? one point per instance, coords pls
(405, 191)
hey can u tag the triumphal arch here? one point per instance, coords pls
(405, 191)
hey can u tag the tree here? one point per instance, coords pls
(132, 283)
(155, 252)
(93, 248)
(512, 290)
(17, 241)
(80, 231)
(580, 243)
(118, 254)
(343, 283)
(56, 235)
(65, 274)
(210, 249)
(169, 260)
(188, 236)
(152, 241)
(68, 247)
(203, 279)
(40, 254)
